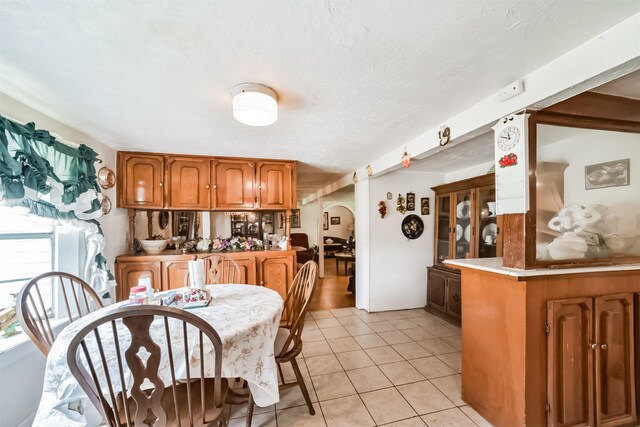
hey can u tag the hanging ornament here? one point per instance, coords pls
(400, 204)
(369, 170)
(355, 177)
(382, 208)
(405, 159)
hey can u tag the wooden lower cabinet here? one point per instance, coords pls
(637, 328)
(444, 293)
(591, 378)
(272, 269)
(174, 274)
(129, 273)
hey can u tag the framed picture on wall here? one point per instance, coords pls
(335, 220)
(609, 174)
(424, 206)
(411, 201)
(295, 218)
(325, 221)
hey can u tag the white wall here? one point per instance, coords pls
(346, 219)
(398, 266)
(22, 367)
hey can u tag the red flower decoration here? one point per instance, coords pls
(508, 160)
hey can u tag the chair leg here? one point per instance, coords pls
(249, 410)
(302, 385)
(281, 374)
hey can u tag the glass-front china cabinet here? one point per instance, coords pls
(466, 227)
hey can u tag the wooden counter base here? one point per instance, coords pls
(272, 269)
(504, 342)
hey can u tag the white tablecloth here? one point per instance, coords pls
(245, 317)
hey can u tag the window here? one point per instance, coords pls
(26, 250)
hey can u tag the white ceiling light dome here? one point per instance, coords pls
(255, 104)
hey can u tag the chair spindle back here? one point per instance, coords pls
(79, 299)
(133, 404)
(297, 302)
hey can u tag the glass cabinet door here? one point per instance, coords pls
(462, 228)
(443, 235)
(487, 235)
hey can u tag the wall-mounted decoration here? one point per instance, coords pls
(424, 206)
(389, 195)
(512, 165)
(325, 221)
(163, 219)
(382, 208)
(411, 201)
(400, 204)
(608, 174)
(405, 159)
(105, 204)
(412, 226)
(295, 218)
(335, 220)
(106, 178)
(444, 135)
(355, 177)
(369, 170)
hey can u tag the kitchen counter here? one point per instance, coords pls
(494, 265)
(519, 336)
(171, 254)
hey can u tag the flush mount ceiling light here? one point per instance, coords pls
(255, 104)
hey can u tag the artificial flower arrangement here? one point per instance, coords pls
(236, 244)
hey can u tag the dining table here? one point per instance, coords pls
(246, 318)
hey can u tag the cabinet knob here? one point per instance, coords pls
(603, 346)
(456, 298)
(594, 346)
(208, 186)
(262, 283)
(215, 186)
(160, 184)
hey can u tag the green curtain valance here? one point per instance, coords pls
(35, 165)
(42, 176)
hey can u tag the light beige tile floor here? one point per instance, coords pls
(392, 369)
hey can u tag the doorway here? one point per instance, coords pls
(336, 286)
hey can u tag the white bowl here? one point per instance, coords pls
(154, 246)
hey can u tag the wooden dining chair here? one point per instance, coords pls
(195, 399)
(288, 343)
(79, 299)
(222, 269)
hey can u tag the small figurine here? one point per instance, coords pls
(400, 207)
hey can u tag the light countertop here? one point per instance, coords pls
(494, 265)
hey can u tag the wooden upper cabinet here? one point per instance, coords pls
(570, 362)
(275, 189)
(189, 183)
(234, 184)
(615, 374)
(140, 181)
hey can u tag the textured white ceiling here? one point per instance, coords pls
(355, 78)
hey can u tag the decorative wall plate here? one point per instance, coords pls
(106, 178)
(412, 226)
(105, 204)
(163, 219)
(463, 210)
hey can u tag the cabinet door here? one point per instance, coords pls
(189, 180)
(247, 270)
(174, 274)
(443, 247)
(454, 292)
(437, 290)
(570, 362)
(129, 273)
(614, 373)
(234, 184)
(142, 178)
(277, 273)
(462, 232)
(274, 185)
